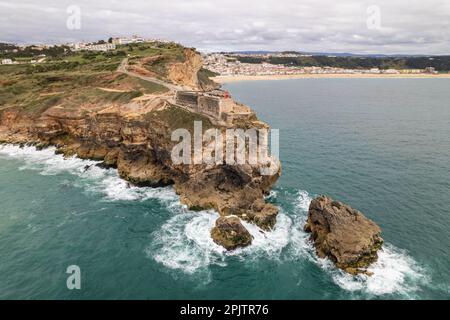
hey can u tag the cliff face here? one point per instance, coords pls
(186, 73)
(126, 120)
(139, 145)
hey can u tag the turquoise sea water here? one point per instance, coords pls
(380, 145)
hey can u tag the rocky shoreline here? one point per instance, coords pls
(134, 135)
(139, 145)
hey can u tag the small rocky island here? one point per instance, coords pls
(230, 233)
(343, 234)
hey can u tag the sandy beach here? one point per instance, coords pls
(236, 78)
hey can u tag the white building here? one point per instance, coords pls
(7, 61)
(100, 47)
(133, 39)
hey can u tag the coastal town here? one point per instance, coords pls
(98, 46)
(229, 65)
(223, 64)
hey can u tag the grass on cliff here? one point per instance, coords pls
(160, 56)
(171, 51)
(176, 118)
(204, 76)
(97, 97)
(38, 92)
(73, 78)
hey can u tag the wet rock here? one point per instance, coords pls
(230, 233)
(343, 234)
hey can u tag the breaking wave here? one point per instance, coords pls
(394, 272)
(183, 242)
(91, 177)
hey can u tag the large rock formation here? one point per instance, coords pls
(127, 122)
(343, 234)
(185, 73)
(230, 233)
(140, 146)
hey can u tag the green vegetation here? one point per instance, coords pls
(71, 79)
(11, 51)
(155, 57)
(176, 117)
(41, 104)
(71, 89)
(96, 96)
(171, 51)
(204, 76)
(150, 87)
(440, 63)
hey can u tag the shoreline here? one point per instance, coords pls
(238, 78)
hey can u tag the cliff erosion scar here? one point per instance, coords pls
(121, 108)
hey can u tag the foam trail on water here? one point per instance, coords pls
(92, 178)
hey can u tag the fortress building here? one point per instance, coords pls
(216, 104)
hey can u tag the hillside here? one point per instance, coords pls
(77, 78)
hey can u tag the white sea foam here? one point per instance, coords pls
(184, 242)
(92, 177)
(272, 195)
(303, 200)
(394, 273)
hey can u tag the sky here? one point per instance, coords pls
(357, 26)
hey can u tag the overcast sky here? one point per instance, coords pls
(404, 26)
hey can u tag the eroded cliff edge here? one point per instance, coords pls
(125, 118)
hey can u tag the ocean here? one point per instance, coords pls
(379, 145)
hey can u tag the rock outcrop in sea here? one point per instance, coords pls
(230, 233)
(343, 234)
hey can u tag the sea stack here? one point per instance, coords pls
(230, 233)
(343, 234)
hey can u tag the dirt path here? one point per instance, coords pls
(112, 90)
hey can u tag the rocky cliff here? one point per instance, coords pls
(140, 145)
(343, 234)
(186, 72)
(133, 134)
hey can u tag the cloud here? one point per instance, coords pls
(406, 26)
